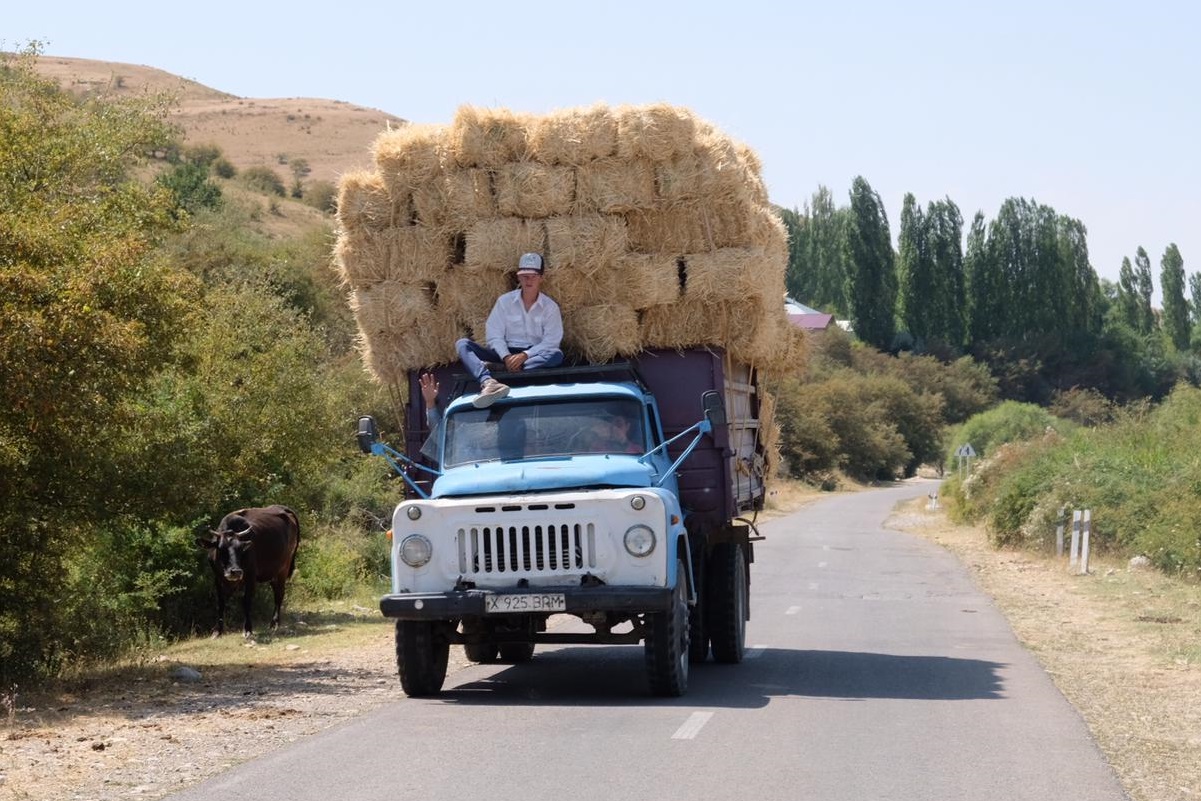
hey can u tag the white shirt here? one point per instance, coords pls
(510, 325)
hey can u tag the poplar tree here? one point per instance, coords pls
(916, 295)
(824, 254)
(986, 291)
(1194, 286)
(1142, 279)
(944, 232)
(1128, 296)
(1175, 307)
(871, 285)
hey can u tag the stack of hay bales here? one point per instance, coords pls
(655, 228)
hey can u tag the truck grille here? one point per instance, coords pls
(534, 550)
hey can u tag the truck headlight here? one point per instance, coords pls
(639, 540)
(415, 550)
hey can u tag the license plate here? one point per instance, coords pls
(526, 602)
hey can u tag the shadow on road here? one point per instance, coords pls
(615, 677)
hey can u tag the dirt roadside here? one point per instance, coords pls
(1123, 646)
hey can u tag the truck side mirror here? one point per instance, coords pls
(714, 407)
(368, 433)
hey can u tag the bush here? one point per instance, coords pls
(322, 195)
(1009, 422)
(224, 168)
(337, 560)
(263, 179)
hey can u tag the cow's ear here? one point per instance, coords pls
(206, 542)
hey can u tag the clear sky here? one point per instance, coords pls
(1093, 108)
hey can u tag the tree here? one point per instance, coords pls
(871, 285)
(87, 313)
(986, 290)
(1194, 288)
(189, 183)
(915, 272)
(944, 234)
(1144, 287)
(1175, 307)
(1128, 296)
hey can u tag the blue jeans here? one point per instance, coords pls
(473, 356)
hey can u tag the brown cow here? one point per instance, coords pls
(249, 546)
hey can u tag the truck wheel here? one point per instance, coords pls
(516, 652)
(482, 652)
(698, 633)
(420, 657)
(728, 602)
(666, 645)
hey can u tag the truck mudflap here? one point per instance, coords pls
(471, 603)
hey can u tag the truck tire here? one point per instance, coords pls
(517, 652)
(482, 652)
(666, 645)
(698, 632)
(729, 601)
(420, 657)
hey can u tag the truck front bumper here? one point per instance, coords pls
(471, 603)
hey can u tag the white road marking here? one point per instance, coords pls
(692, 726)
(792, 610)
(754, 652)
(822, 564)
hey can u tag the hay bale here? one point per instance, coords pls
(690, 227)
(391, 307)
(468, 293)
(417, 254)
(725, 175)
(498, 243)
(361, 257)
(648, 279)
(601, 332)
(529, 189)
(364, 203)
(590, 242)
(573, 287)
(655, 132)
(468, 197)
(726, 274)
(410, 157)
(678, 179)
(752, 168)
(615, 186)
(488, 137)
(573, 137)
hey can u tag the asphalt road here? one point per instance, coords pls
(875, 670)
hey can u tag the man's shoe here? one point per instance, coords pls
(492, 390)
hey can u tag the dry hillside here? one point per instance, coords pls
(333, 136)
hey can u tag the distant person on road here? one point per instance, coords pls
(523, 332)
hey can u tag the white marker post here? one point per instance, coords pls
(1059, 533)
(1075, 555)
(1087, 525)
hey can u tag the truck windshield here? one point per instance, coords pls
(529, 431)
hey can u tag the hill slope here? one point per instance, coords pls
(331, 135)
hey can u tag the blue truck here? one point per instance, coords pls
(622, 494)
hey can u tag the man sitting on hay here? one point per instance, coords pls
(523, 332)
